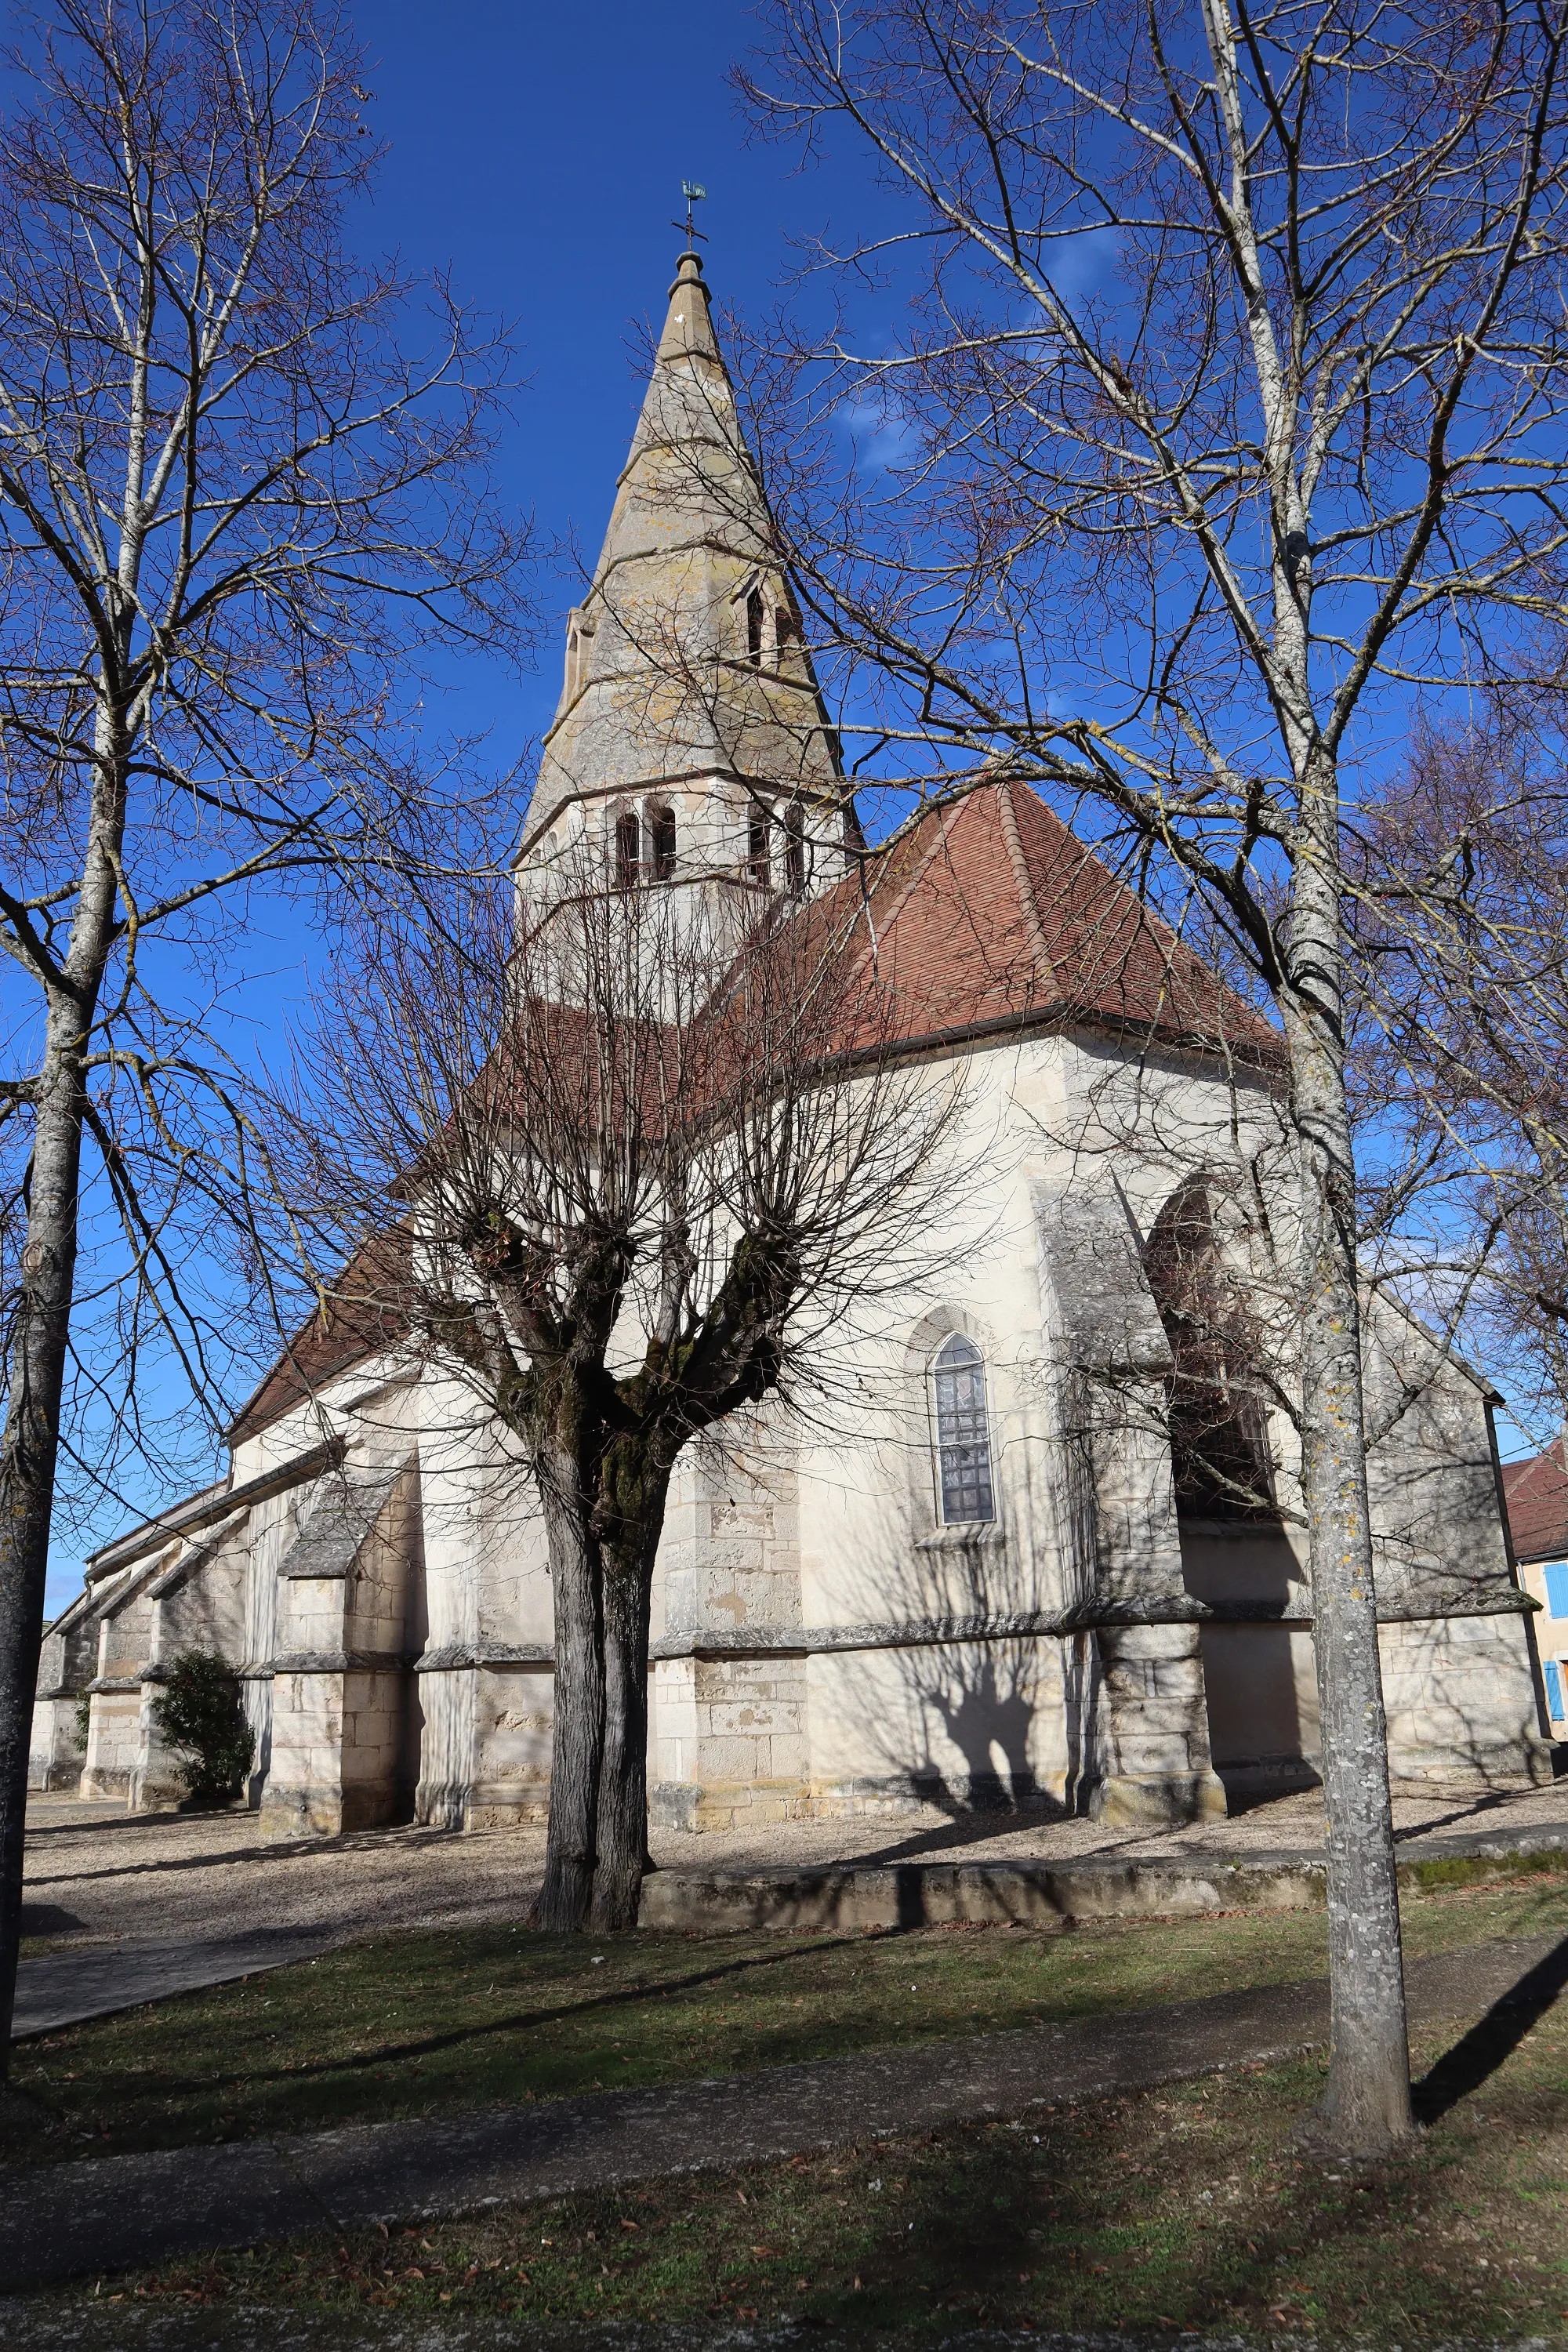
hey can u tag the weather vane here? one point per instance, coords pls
(694, 192)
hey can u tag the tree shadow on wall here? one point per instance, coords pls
(957, 1722)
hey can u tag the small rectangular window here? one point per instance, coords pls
(1554, 1689)
(759, 850)
(1557, 1588)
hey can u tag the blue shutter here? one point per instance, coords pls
(1557, 1588)
(1553, 1691)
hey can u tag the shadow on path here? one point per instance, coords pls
(1479, 2053)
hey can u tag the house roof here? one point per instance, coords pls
(1536, 1493)
(365, 1310)
(987, 914)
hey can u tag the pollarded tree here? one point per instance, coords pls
(652, 1166)
(242, 486)
(1230, 414)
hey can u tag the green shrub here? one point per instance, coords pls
(83, 1720)
(199, 1714)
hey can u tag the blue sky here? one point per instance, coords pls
(540, 153)
(537, 154)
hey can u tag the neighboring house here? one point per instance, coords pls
(1055, 1554)
(1537, 1493)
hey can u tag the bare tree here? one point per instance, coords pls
(1229, 414)
(655, 1162)
(1461, 923)
(241, 481)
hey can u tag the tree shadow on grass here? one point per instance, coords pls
(1479, 2053)
(520, 2022)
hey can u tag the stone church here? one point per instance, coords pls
(1010, 1576)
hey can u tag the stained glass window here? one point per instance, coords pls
(962, 1433)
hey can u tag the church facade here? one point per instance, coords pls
(1045, 1546)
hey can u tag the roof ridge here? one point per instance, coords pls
(947, 817)
(1023, 879)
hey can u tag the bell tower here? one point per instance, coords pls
(690, 752)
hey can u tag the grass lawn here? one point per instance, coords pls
(491, 2016)
(1182, 2207)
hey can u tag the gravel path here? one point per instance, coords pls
(96, 1873)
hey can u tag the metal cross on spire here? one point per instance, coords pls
(694, 192)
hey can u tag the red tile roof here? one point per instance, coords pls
(1537, 1496)
(365, 1310)
(985, 915)
(989, 912)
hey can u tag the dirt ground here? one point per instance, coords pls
(95, 1872)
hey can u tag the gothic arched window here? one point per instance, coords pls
(628, 850)
(1219, 1433)
(962, 1433)
(754, 611)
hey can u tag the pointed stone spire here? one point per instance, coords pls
(685, 661)
(688, 328)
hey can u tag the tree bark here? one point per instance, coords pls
(27, 1453)
(622, 1781)
(577, 1752)
(1366, 2108)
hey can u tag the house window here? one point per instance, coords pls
(795, 847)
(1554, 1689)
(962, 1433)
(759, 850)
(661, 842)
(1557, 1588)
(628, 850)
(754, 627)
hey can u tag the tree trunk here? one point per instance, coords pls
(576, 1756)
(1366, 2108)
(622, 1782)
(27, 1453)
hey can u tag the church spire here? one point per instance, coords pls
(689, 324)
(685, 667)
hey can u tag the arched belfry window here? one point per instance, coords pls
(759, 844)
(755, 609)
(962, 1433)
(661, 841)
(795, 852)
(628, 849)
(1220, 1455)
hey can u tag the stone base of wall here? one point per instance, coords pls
(1164, 1801)
(1527, 1763)
(61, 1774)
(482, 1804)
(756, 1804)
(727, 1804)
(154, 1793)
(1254, 1782)
(442, 1804)
(327, 1811)
(508, 1803)
(105, 1780)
